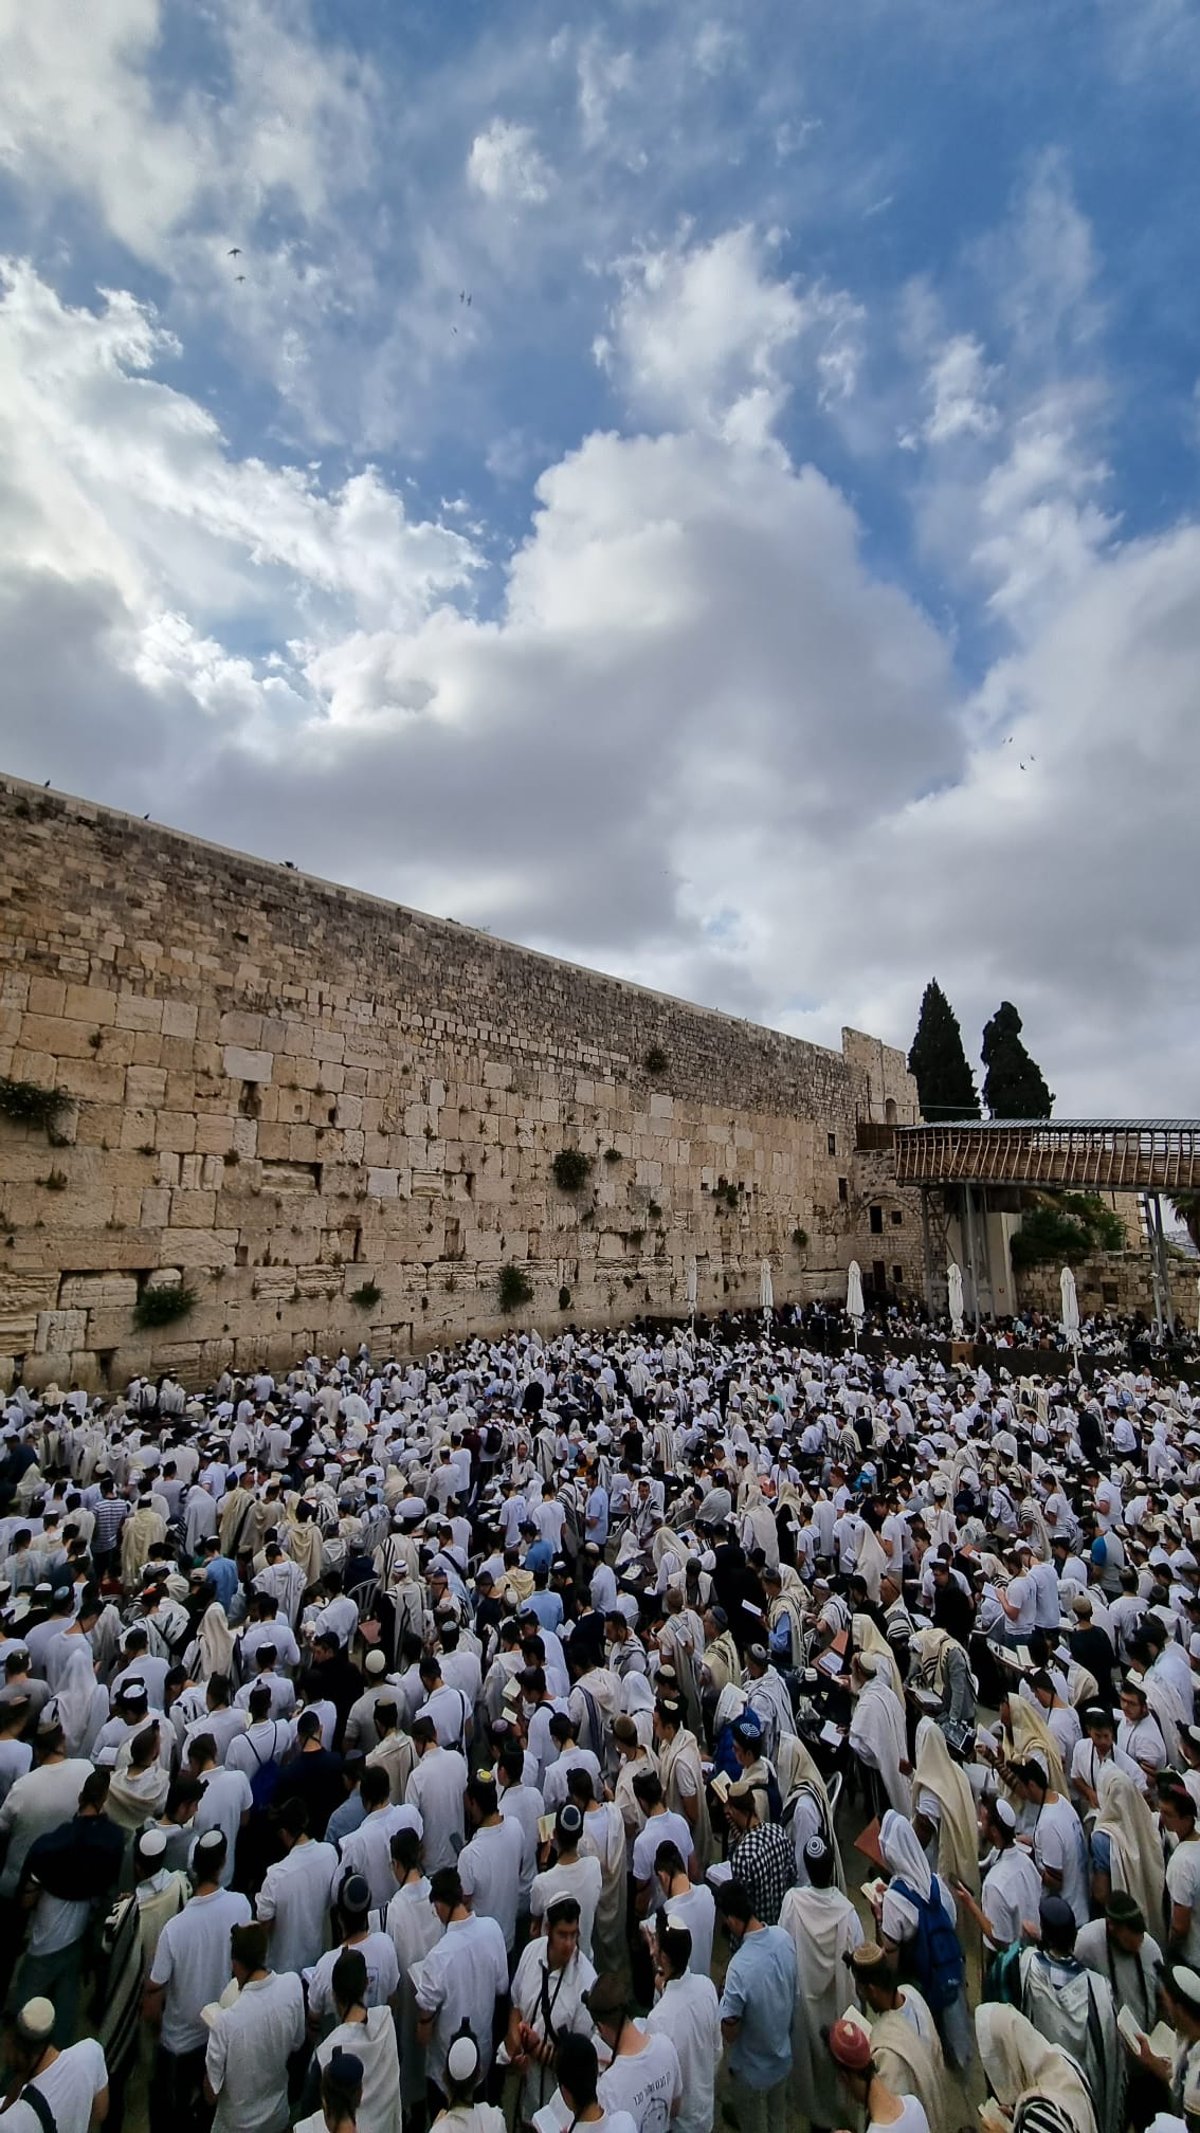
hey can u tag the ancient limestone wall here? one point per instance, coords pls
(286, 1096)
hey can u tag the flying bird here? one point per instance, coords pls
(234, 252)
(239, 277)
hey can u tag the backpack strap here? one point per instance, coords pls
(40, 2108)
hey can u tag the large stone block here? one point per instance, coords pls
(242, 1064)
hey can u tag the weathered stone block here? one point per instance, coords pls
(243, 1065)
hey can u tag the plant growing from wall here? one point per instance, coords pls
(612, 1155)
(164, 1305)
(571, 1167)
(564, 1299)
(1063, 1228)
(515, 1287)
(367, 1296)
(26, 1104)
(799, 1238)
(656, 1060)
(653, 1210)
(55, 1181)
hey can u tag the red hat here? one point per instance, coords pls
(850, 2045)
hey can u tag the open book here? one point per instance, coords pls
(1162, 2039)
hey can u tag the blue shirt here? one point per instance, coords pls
(222, 1575)
(538, 1557)
(345, 1819)
(547, 1606)
(760, 1991)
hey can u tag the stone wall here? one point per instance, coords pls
(1111, 1281)
(282, 1094)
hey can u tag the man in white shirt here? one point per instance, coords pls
(463, 1978)
(246, 2061)
(368, 1849)
(294, 1900)
(489, 1865)
(191, 1969)
(689, 2013)
(225, 1802)
(436, 1790)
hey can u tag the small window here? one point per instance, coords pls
(889, 1111)
(1111, 1294)
(831, 1139)
(897, 1217)
(877, 1221)
(843, 1190)
(897, 1276)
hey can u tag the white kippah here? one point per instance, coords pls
(1003, 1812)
(376, 1662)
(152, 1843)
(36, 2018)
(462, 2059)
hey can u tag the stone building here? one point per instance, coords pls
(320, 1118)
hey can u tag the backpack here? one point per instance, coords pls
(264, 1783)
(935, 1953)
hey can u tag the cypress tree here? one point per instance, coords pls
(1014, 1085)
(938, 1062)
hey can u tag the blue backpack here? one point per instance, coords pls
(935, 1953)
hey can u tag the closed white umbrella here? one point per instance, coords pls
(855, 1308)
(693, 1283)
(1198, 1303)
(1070, 1307)
(766, 1289)
(954, 1289)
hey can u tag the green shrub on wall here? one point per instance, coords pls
(26, 1104)
(163, 1306)
(571, 1167)
(367, 1296)
(515, 1288)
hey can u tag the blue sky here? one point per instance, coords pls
(777, 584)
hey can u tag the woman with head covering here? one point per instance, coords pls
(917, 1922)
(877, 1730)
(1130, 1850)
(944, 1805)
(1039, 2087)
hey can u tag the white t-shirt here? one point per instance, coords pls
(698, 1912)
(383, 1973)
(1012, 1891)
(436, 1789)
(689, 2013)
(70, 2087)
(462, 1977)
(584, 1881)
(248, 2052)
(1059, 1843)
(1183, 1885)
(912, 2119)
(225, 1799)
(668, 1828)
(489, 1868)
(192, 1960)
(645, 2085)
(294, 1898)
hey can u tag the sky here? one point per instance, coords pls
(709, 491)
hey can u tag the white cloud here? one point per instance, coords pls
(78, 115)
(702, 336)
(505, 163)
(960, 387)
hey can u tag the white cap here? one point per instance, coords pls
(1004, 1813)
(462, 2059)
(36, 2018)
(376, 1662)
(152, 1843)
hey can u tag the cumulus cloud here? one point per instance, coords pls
(505, 163)
(702, 335)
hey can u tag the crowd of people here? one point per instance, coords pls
(660, 1726)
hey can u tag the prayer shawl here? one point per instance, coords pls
(721, 1662)
(136, 1797)
(789, 1608)
(910, 2061)
(1136, 1852)
(1023, 2069)
(958, 1839)
(1030, 1735)
(1073, 2008)
(216, 1642)
(79, 1703)
(868, 1638)
(769, 1700)
(303, 1544)
(141, 1531)
(683, 1753)
(824, 1926)
(872, 1564)
(799, 1778)
(877, 1733)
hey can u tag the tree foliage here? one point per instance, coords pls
(938, 1062)
(1014, 1085)
(1063, 1228)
